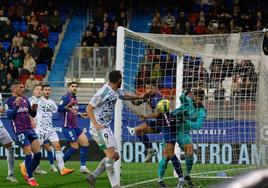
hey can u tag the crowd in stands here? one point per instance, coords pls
(212, 18)
(224, 77)
(102, 28)
(29, 31)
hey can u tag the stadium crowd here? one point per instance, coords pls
(29, 31)
(102, 28)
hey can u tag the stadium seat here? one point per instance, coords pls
(23, 78)
(16, 25)
(52, 45)
(41, 69)
(206, 8)
(23, 27)
(196, 7)
(39, 77)
(6, 45)
(168, 82)
(53, 37)
(163, 57)
(193, 18)
(172, 57)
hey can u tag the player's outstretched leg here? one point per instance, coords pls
(91, 178)
(141, 132)
(59, 158)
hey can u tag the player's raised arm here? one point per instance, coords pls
(10, 111)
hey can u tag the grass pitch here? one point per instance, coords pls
(144, 173)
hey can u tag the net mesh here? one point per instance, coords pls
(231, 69)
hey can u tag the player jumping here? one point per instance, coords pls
(100, 111)
(44, 127)
(153, 122)
(71, 131)
(157, 122)
(19, 110)
(6, 141)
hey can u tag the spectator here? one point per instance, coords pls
(166, 29)
(170, 20)
(106, 29)
(179, 30)
(2, 51)
(88, 38)
(34, 51)
(157, 19)
(45, 55)
(200, 28)
(156, 72)
(55, 22)
(29, 63)
(3, 20)
(92, 27)
(154, 28)
(8, 31)
(18, 39)
(3, 72)
(30, 83)
(122, 20)
(44, 18)
(13, 71)
(143, 76)
(6, 59)
(9, 81)
(101, 40)
(182, 18)
(112, 39)
(17, 61)
(27, 40)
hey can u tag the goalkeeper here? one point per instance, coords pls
(190, 115)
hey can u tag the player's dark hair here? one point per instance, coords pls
(73, 82)
(37, 86)
(199, 93)
(45, 85)
(115, 76)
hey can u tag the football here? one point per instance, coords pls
(163, 106)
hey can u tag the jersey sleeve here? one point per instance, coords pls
(97, 98)
(63, 102)
(10, 111)
(121, 94)
(55, 107)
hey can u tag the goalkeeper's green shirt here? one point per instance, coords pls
(188, 115)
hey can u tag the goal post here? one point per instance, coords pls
(230, 68)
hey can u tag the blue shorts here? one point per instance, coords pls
(71, 134)
(169, 134)
(26, 138)
(153, 124)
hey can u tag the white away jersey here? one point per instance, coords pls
(45, 110)
(104, 103)
(34, 100)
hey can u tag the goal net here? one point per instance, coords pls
(231, 68)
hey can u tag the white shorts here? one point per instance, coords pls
(46, 136)
(4, 136)
(104, 138)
